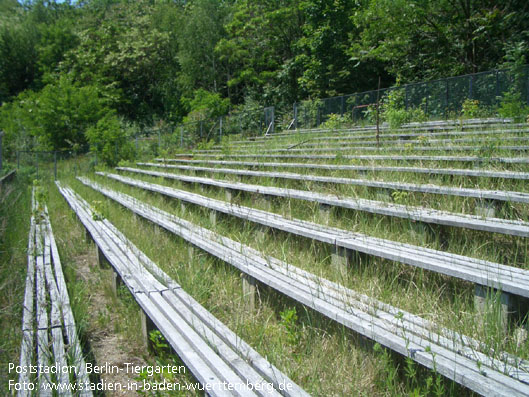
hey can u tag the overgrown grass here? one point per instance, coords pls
(15, 210)
(320, 355)
(300, 347)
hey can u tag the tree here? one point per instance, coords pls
(202, 28)
(122, 50)
(57, 116)
(430, 39)
(260, 51)
(328, 67)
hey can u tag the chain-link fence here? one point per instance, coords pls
(437, 99)
(187, 135)
(53, 165)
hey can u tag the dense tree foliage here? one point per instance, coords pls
(65, 66)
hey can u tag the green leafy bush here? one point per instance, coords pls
(512, 106)
(205, 105)
(110, 140)
(309, 112)
(57, 116)
(336, 121)
(393, 109)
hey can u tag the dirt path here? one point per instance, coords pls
(111, 350)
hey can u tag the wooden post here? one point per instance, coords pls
(101, 259)
(340, 260)
(249, 289)
(190, 253)
(422, 232)
(260, 234)
(494, 304)
(87, 236)
(325, 213)
(383, 195)
(213, 217)
(146, 327)
(116, 282)
(486, 208)
(229, 195)
(265, 200)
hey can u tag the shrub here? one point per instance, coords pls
(110, 140)
(470, 108)
(335, 121)
(57, 116)
(511, 105)
(393, 109)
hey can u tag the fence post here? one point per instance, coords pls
(220, 128)
(295, 116)
(1, 135)
(497, 86)
(527, 83)
(55, 164)
(272, 130)
(470, 87)
(181, 136)
(447, 99)
(406, 96)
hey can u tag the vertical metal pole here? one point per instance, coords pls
(470, 86)
(273, 120)
(55, 164)
(447, 99)
(181, 136)
(497, 85)
(295, 116)
(527, 83)
(201, 129)
(220, 129)
(378, 113)
(406, 97)
(1, 134)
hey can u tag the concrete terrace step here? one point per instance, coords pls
(396, 148)
(356, 168)
(507, 278)
(451, 354)
(464, 159)
(212, 352)
(481, 194)
(347, 137)
(494, 225)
